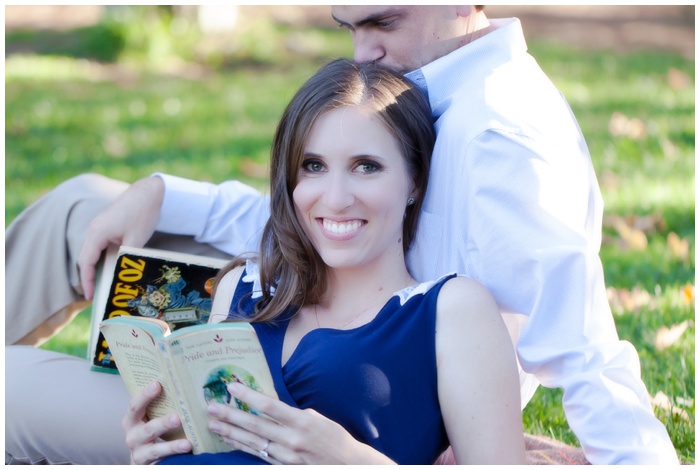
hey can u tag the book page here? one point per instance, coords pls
(139, 361)
(102, 359)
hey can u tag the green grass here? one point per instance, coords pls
(66, 116)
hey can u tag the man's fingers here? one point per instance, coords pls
(87, 280)
(131, 220)
(87, 261)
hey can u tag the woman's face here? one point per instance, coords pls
(352, 189)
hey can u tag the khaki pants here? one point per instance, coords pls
(56, 410)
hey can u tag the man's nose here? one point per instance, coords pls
(366, 49)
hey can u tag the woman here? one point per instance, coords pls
(370, 365)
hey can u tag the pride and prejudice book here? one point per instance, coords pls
(193, 365)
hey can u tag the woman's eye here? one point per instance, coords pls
(367, 167)
(312, 166)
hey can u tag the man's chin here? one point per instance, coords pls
(394, 67)
(398, 70)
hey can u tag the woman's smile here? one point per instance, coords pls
(344, 227)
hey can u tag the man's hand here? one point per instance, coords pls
(130, 220)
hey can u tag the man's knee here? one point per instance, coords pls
(88, 185)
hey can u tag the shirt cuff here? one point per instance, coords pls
(186, 205)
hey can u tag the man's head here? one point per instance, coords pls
(407, 37)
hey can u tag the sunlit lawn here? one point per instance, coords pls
(65, 117)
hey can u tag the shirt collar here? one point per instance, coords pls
(441, 77)
(418, 79)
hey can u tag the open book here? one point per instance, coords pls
(193, 364)
(144, 282)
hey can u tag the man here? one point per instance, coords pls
(512, 202)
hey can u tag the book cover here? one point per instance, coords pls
(194, 366)
(143, 282)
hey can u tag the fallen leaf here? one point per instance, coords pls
(631, 238)
(678, 80)
(678, 246)
(688, 294)
(611, 220)
(670, 150)
(666, 337)
(685, 401)
(620, 125)
(636, 129)
(631, 229)
(661, 400)
(647, 223)
(625, 300)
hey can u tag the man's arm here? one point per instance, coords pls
(535, 230)
(229, 216)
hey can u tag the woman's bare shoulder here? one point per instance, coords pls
(461, 289)
(466, 300)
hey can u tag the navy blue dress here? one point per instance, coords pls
(379, 381)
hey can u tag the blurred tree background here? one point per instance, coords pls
(197, 91)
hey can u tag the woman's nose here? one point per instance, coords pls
(338, 194)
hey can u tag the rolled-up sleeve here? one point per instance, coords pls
(229, 216)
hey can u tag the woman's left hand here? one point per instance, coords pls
(285, 434)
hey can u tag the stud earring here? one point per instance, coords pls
(410, 201)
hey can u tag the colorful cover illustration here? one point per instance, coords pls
(215, 389)
(153, 284)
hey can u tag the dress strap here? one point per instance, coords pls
(224, 293)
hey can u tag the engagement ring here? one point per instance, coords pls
(263, 452)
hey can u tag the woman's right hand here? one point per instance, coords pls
(144, 437)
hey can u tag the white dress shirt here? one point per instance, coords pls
(512, 202)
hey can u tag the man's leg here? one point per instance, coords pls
(42, 283)
(58, 411)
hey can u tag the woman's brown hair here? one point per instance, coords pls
(291, 271)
